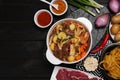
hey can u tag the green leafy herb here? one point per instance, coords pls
(83, 4)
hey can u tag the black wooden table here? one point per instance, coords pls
(22, 43)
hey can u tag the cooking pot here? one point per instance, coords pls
(49, 54)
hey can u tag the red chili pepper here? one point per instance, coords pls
(101, 46)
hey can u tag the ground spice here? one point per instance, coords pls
(61, 7)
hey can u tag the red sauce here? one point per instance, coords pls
(44, 18)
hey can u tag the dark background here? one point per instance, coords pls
(22, 43)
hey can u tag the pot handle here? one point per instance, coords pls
(86, 22)
(51, 58)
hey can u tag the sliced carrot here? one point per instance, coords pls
(78, 57)
(83, 54)
(83, 47)
(82, 51)
(86, 44)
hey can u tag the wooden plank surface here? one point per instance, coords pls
(22, 43)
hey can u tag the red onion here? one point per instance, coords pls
(114, 5)
(102, 20)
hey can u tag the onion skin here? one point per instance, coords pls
(102, 20)
(114, 6)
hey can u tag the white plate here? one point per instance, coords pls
(112, 36)
(110, 25)
(57, 68)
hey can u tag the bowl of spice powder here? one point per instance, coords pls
(62, 7)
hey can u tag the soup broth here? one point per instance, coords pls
(69, 40)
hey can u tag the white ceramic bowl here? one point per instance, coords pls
(62, 12)
(49, 55)
(37, 14)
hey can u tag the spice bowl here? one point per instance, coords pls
(62, 7)
(43, 18)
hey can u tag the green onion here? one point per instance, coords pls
(91, 3)
(73, 3)
(84, 3)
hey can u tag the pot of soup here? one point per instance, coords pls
(69, 41)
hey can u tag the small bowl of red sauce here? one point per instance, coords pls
(62, 7)
(43, 18)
